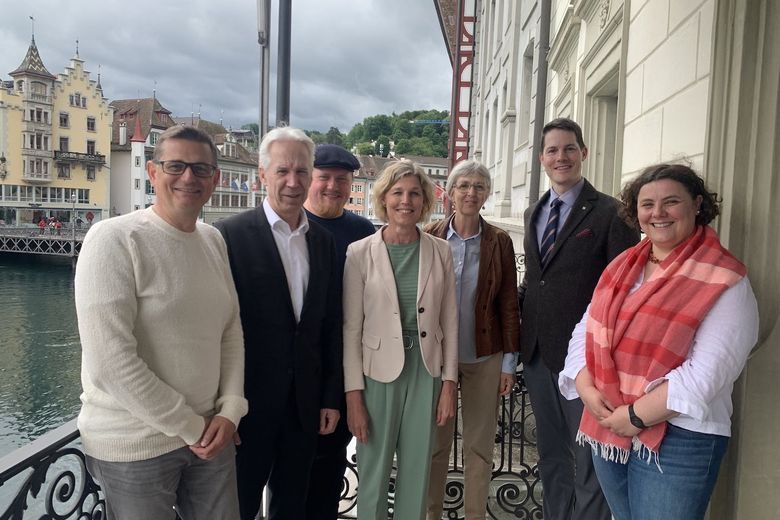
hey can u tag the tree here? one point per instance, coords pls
(415, 146)
(365, 148)
(356, 135)
(382, 146)
(377, 125)
(334, 136)
(316, 136)
(254, 127)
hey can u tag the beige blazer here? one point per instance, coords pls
(373, 345)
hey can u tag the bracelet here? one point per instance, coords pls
(634, 418)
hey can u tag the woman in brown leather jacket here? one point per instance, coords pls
(486, 289)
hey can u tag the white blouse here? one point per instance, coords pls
(699, 389)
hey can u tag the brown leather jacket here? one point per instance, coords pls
(497, 322)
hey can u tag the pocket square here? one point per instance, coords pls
(587, 232)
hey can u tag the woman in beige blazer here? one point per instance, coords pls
(400, 342)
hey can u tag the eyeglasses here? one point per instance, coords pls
(464, 187)
(178, 167)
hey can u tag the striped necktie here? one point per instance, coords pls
(550, 231)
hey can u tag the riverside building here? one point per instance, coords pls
(55, 134)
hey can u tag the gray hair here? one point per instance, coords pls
(284, 133)
(468, 167)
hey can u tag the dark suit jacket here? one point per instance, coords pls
(555, 298)
(283, 356)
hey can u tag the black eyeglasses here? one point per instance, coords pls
(198, 169)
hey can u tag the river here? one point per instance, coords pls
(40, 354)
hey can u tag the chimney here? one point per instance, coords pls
(122, 133)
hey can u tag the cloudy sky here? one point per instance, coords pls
(350, 58)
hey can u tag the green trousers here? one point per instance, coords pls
(401, 422)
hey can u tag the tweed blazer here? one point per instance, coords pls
(554, 297)
(373, 343)
(496, 321)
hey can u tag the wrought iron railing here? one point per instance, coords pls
(515, 487)
(87, 158)
(49, 478)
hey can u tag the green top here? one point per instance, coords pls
(405, 259)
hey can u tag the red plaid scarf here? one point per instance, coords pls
(635, 339)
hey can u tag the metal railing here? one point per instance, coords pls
(33, 240)
(49, 475)
(48, 478)
(87, 158)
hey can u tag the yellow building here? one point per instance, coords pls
(55, 143)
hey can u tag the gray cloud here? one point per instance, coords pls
(350, 58)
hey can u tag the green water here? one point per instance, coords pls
(40, 355)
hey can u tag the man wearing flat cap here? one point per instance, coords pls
(329, 191)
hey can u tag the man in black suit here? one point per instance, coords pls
(571, 234)
(287, 279)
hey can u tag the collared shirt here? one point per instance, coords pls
(465, 257)
(291, 244)
(568, 199)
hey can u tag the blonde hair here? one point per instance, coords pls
(390, 176)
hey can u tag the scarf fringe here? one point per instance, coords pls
(612, 453)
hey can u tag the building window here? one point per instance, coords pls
(83, 102)
(91, 124)
(63, 171)
(137, 184)
(25, 193)
(83, 196)
(64, 120)
(138, 160)
(357, 188)
(359, 201)
(153, 138)
(91, 147)
(55, 194)
(64, 142)
(90, 173)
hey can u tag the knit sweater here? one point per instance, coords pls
(161, 338)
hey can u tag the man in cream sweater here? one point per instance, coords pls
(162, 347)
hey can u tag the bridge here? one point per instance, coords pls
(31, 240)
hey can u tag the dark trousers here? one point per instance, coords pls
(570, 488)
(327, 473)
(277, 452)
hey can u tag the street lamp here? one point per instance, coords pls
(73, 219)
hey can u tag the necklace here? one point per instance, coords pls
(652, 258)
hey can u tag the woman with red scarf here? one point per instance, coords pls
(655, 357)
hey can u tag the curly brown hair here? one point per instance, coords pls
(710, 202)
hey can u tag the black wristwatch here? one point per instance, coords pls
(634, 418)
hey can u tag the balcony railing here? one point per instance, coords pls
(36, 126)
(35, 152)
(38, 98)
(36, 177)
(86, 158)
(49, 477)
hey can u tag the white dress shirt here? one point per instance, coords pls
(291, 244)
(700, 388)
